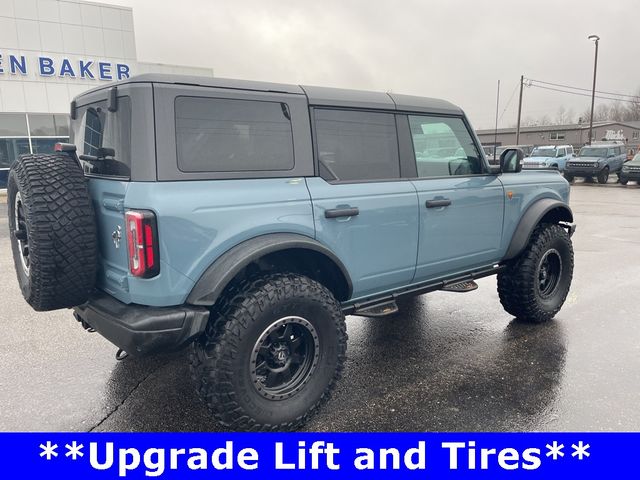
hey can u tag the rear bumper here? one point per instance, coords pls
(140, 330)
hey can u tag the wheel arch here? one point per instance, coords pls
(273, 252)
(545, 210)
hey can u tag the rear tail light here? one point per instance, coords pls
(142, 243)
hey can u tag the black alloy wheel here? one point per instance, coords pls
(20, 233)
(284, 357)
(549, 272)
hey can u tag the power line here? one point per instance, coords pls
(586, 94)
(509, 101)
(583, 89)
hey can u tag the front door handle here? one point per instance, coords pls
(342, 212)
(440, 202)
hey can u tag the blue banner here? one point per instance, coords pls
(319, 456)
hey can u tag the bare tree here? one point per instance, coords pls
(561, 116)
(632, 111)
(571, 115)
(545, 120)
(616, 111)
(601, 113)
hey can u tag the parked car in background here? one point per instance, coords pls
(489, 153)
(597, 160)
(549, 157)
(630, 171)
(495, 159)
(526, 149)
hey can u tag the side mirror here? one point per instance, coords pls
(511, 160)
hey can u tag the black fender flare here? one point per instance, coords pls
(532, 217)
(218, 275)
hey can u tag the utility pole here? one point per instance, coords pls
(519, 111)
(596, 38)
(495, 136)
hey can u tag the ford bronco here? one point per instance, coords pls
(596, 160)
(245, 220)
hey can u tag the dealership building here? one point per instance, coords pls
(575, 134)
(51, 51)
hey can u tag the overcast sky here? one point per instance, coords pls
(452, 49)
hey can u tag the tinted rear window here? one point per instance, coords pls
(96, 129)
(224, 135)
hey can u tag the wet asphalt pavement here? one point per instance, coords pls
(446, 362)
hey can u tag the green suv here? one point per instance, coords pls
(631, 171)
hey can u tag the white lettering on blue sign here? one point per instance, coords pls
(48, 67)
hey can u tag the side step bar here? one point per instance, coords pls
(460, 287)
(365, 304)
(378, 309)
(390, 307)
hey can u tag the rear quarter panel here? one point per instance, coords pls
(200, 220)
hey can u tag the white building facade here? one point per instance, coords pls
(51, 51)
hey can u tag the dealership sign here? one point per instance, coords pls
(45, 66)
(614, 135)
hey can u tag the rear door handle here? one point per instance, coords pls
(342, 212)
(440, 202)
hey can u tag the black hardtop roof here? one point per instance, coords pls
(338, 97)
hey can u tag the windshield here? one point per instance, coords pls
(544, 152)
(636, 159)
(593, 152)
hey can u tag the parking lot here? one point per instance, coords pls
(445, 362)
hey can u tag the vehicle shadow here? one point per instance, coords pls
(417, 370)
(450, 369)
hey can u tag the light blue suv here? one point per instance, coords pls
(246, 219)
(549, 157)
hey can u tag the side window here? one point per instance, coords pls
(92, 132)
(354, 145)
(228, 135)
(561, 152)
(443, 147)
(98, 128)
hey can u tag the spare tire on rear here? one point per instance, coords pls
(53, 231)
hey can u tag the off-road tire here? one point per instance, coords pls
(56, 211)
(518, 283)
(603, 176)
(623, 180)
(220, 359)
(569, 178)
